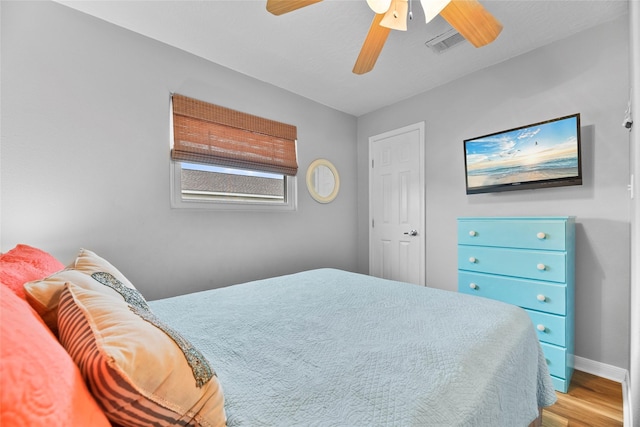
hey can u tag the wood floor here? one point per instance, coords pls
(591, 402)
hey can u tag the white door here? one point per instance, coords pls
(397, 205)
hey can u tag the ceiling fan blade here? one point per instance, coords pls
(472, 20)
(372, 46)
(279, 7)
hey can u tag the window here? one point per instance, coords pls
(213, 187)
(224, 159)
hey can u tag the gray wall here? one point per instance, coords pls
(587, 73)
(85, 158)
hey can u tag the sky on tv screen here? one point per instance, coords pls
(537, 152)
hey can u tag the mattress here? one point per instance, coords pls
(332, 348)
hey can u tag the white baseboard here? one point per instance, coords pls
(626, 402)
(612, 373)
(600, 369)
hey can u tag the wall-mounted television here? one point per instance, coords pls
(539, 155)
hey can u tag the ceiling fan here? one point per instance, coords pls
(468, 17)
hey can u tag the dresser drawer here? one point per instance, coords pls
(550, 328)
(524, 233)
(560, 384)
(530, 264)
(540, 296)
(556, 359)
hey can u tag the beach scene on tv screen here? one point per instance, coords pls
(535, 153)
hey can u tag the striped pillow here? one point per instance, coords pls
(137, 372)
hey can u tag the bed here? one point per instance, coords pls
(317, 348)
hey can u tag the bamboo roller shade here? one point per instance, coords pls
(211, 134)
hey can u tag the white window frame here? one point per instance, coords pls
(177, 201)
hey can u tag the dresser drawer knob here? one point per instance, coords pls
(541, 267)
(541, 327)
(473, 233)
(541, 298)
(541, 235)
(473, 260)
(473, 286)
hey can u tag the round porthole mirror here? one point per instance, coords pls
(323, 181)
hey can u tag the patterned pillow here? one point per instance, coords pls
(43, 295)
(40, 385)
(23, 264)
(141, 371)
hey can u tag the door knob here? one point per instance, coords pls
(412, 232)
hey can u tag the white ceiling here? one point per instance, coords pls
(311, 51)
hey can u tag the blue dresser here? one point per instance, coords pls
(529, 262)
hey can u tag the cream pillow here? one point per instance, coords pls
(140, 373)
(88, 262)
(43, 295)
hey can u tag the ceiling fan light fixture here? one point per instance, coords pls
(396, 16)
(432, 8)
(379, 6)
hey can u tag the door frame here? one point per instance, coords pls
(420, 127)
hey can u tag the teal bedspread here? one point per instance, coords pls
(331, 348)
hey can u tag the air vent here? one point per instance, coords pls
(444, 41)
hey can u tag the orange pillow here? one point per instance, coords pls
(23, 264)
(40, 385)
